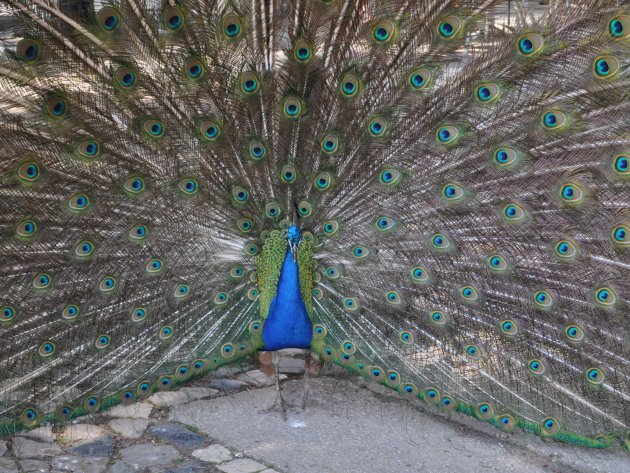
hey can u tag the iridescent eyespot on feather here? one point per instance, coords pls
(420, 275)
(288, 174)
(56, 107)
(125, 78)
(26, 229)
(245, 225)
(513, 213)
(594, 376)
(448, 404)
(272, 209)
(409, 390)
(554, 120)
(42, 281)
(393, 298)
(251, 249)
(506, 157)
(536, 367)
(292, 107)
(302, 51)
(164, 383)
(506, 423)
(252, 294)
(440, 242)
(134, 185)
(257, 150)
(154, 266)
(621, 235)
(497, 263)
(153, 128)
(107, 284)
(331, 227)
(453, 192)
(323, 181)
(377, 127)
(330, 144)
(571, 194)
(70, 312)
(332, 272)
(194, 68)
(488, 92)
(143, 389)
(530, 44)
(384, 32)
(138, 233)
(227, 350)
(30, 416)
(318, 294)
(385, 223)
(305, 209)
(619, 27)
(182, 373)
(209, 131)
(84, 249)
(231, 26)
(550, 426)
(484, 411)
(182, 292)
(389, 177)
(350, 85)
(472, 352)
(437, 317)
(376, 373)
(79, 202)
(392, 378)
(240, 195)
(255, 327)
(237, 271)
(47, 348)
(64, 413)
(449, 27)
(139, 314)
(605, 297)
(7, 314)
(508, 327)
(249, 82)
(221, 298)
(565, 250)
(29, 172)
(348, 347)
(166, 332)
(360, 252)
(469, 294)
(574, 333)
(102, 341)
(420, 78)
(405, 337)
(621, 165)
(350, 304)
(319, 331)
(606, 66)
(28, 50)
(544, 299)
(447, 135)
(108, 19)
(88, 149)
(173, 18)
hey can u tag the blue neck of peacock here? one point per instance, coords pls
(288, 324)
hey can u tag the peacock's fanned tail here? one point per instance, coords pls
(462, 188)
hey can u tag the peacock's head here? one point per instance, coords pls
(294, 235)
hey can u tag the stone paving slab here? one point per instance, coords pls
(213, 454)
(177, 435)
(242, 465)
(140, 410)
(182, 396)
(141, 458)
(129, 428)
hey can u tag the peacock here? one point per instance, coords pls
(428, 198)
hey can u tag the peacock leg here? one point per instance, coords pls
(307, 384)
(275, 360)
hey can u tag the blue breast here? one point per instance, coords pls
(287, 324)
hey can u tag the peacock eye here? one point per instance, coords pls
(530, 44)
(350, 85)
(384, 32)
(447, 135)
(420, 78)
(449, 27)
